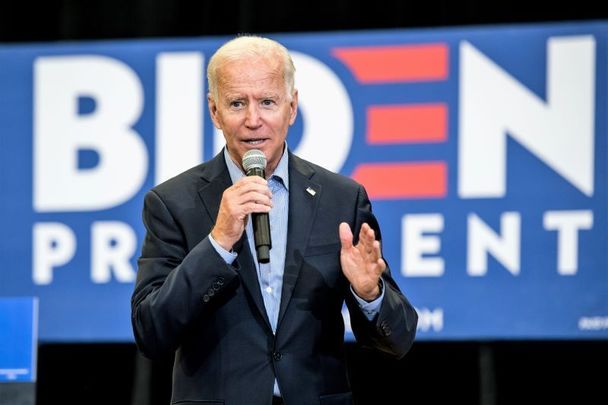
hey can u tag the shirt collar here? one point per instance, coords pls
(281, 172)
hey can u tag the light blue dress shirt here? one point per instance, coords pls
(270, 275)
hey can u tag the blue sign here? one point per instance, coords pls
(483, 151)
(18, 339)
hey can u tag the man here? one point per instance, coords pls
(245, 332)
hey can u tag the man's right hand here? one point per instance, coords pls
(249, 194)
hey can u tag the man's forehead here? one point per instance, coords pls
(249, 78)
(261, 83)
(235, 93)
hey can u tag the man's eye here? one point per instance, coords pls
(236, 104)
(267, 102)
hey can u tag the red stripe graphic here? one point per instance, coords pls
(407, 123)
(405, 63)
(403, 180)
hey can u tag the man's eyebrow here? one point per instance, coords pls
(229, 93)
(233, 96)
(273, 95)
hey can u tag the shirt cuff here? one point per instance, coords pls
(228, 257)
(370, 309)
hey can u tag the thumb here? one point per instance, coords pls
(346, 236)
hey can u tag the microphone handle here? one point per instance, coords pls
(261, 226)
(261, 235)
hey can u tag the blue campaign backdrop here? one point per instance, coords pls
(483, 151)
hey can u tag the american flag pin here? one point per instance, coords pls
(311, 191)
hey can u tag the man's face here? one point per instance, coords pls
(253, 108)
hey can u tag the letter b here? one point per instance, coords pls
(60, 132)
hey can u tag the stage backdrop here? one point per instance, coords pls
(483, 151)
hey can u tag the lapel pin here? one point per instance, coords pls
(311, 191)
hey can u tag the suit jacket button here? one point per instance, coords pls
(277, 356)
(206, 298)
(220, 280)
(385, 329)
(211, 292)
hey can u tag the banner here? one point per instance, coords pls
(483, 151)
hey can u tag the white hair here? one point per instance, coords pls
(248, 46)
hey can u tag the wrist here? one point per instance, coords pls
(372, 295)
(221, 241)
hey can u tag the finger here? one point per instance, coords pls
(381, 265)
(245, 183)
(255, 203)
(370, 247)
(346, 236)
(244, 192)
(372, 254)
(366, 239)
(376, 251)
(249, 187)
(257, 198)
(367, 234)
(253, 207)
(252, 179)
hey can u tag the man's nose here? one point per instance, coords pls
(253, 116)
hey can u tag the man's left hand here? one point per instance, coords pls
(362, 264)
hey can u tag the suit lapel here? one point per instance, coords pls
(217, 179)
(304, 196)
(249, 277)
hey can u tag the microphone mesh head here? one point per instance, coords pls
(254, 158)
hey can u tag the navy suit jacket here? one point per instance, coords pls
(187, 300)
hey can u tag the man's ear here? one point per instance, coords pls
(293, 105)
(213, 111)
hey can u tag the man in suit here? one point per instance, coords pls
(245, 332)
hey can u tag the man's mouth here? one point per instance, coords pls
(254, 142)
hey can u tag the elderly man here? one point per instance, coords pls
(246, 331)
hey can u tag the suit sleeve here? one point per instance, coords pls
(394, 328)
(174, 286)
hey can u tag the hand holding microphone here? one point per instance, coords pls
(249, 195)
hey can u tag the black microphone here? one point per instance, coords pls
(254, 163)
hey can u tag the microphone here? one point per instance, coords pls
(254, 163)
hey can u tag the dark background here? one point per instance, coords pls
(52, 20)
(467, 372)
